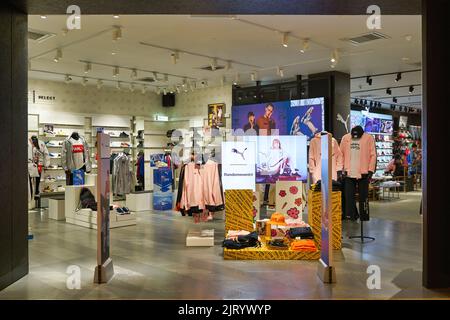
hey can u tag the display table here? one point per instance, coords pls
(139, 201)
(392, 187)
(315, 216)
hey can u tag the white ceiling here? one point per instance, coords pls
(251, 40)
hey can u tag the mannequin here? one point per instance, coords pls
(40, 158)
(315, 160)
(75, 156)
(359, 162)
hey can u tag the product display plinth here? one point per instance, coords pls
(200, 238)
(88, 218)
(139, 201)
(56, 209)
(315, 216)
(265, 253)
(104, 272)
(326, 273)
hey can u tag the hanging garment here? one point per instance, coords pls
(192, 195)
(75, 154)
(211, 184)
(315, 160)
(40, 156)
(122, 175)
(180, 190)
(367, 155)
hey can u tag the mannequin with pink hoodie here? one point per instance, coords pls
(315, 162)
(360, 157)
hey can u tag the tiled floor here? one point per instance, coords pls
(151, 261)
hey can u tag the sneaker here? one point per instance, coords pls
(140, 134)
(140, 144)
(123, 134)
(47, 189)
(54, 155)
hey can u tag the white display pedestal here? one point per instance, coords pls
(200, 238)
(88, 218)
(141, 201)
(56, 210)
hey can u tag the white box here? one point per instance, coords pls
(139, 201)
(200, 238)
(56, 209)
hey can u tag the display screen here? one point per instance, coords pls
(280, 158)
(375, 123)
(303, 117)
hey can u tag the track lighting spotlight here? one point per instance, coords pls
(334, 57)
(155, 76)
(84, 82)
(166, 78)
(116, 72)
(118, 86)
(204, 83)
(116, 16)
(305, 46)
(43, 17)
(158, 91)
(284, 39)
(228, 66)
(133, 74)
(280, 72)
(132, 87)
(236, 79)
(394, 99)
(87, 67)
(99, 84)
(175, 57)
(254, 76)
(399, 77)
(388, 91)
(117, 33)
(67, 78)
(165, 91)
(178, 89)
(58, 55)
(213, 64)
(369, 81)
(411, 89)
(184, 85)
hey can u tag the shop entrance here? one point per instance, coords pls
(363, 97)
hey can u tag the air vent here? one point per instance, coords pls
(39, 36)
(368, 37)
(209, 68)
(147, 79)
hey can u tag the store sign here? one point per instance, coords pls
(238, 165)
(161, 118)
(37, 97)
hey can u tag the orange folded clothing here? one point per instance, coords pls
(303, 245)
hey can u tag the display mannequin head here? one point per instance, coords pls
(75, 135)
(357, 132)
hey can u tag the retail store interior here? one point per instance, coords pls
(138, 78)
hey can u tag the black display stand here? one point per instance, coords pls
(362, 236)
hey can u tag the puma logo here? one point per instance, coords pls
(241, 153)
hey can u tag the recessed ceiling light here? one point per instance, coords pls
(113, 53)
(408, 37)
(116, 16)
(43, 17)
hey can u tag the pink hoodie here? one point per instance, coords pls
(315, 163)
(368, 155)
(193, 188)
(211, 184)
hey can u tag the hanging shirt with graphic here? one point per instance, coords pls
(354, 159)
(77, 152)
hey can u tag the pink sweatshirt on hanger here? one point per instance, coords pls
(315, 163)
(192, 195)
(368, 155)
(211, 184)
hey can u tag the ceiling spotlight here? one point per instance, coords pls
(213, 64)
(117, 33)
(165, 91)
(305, 46)
(175, 57)
(184, 83)
(132, 87)
(178, 89)
(43, 17)
(116, 72)
(166, 78)
(67, 78)
(399, 77)
(87, 67)
(228, 66)
(155, 76)
(113, 53)
(334, 56)
(133, 74)
(411, 89)
(158, 90)
(254, 76)
(280, 72)
(116, 16)
(118, 86)
(369, 81)
(388, 91)
(58, 55)
(394, 99)
(284, 39)
(84, 81)
(171, 90)
(236, 79)
(99, 84)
